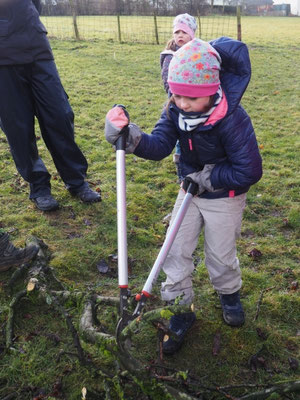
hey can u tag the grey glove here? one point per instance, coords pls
(116, 119)
(133, 139)
(202, 178)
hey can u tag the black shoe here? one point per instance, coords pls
(10, 256)
(179, 326)
(233, 312)
(87, 195)
(46, 203)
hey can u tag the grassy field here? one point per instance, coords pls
(96, 75)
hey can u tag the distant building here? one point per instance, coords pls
(259, 7)
(295, 5)
(281, 9)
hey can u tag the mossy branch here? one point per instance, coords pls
(289, 387)
(41, 280)
(88, 330)
(11, 317)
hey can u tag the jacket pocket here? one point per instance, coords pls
(3, 27)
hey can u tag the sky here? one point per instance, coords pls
(295, 5)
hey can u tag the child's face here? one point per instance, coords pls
(181, 38)
(192, 104)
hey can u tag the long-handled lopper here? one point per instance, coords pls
(141, 298)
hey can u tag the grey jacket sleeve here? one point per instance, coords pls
(165, 71)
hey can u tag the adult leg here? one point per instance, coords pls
(179, 264)
(17, 119)
(56, 121)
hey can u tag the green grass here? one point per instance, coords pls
(97, 74)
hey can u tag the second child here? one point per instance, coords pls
(184, 29)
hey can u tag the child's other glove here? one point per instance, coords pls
(202, 178)
(116, 119)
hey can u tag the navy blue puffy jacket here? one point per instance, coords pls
(23, 37)
(230, 142)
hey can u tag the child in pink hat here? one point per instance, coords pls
(219, 152)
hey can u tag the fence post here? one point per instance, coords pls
(74, 15)
(76, 31)
(199, 23)
(119, 28)
(155, 29)
(239, 26)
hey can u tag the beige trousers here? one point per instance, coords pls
(221, 221)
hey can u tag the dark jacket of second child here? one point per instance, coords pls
(165, 59)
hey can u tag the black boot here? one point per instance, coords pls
(233, 313)
(87, 195)
(10, 256)
(179, 326)
(46, 203)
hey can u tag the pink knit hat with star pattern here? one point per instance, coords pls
(194, 70)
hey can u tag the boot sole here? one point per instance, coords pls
(46, 208)
(20, 262)
(41, 208)
(234, 325)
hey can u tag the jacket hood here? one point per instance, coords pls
(235, 71)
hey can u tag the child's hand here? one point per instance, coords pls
(202, 178)
(116, 119)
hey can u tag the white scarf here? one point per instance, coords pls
(190, 122)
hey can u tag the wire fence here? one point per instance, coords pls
(136, 28)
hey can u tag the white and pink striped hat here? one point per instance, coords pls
(186, 23)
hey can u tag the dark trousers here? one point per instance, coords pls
(35, 90)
